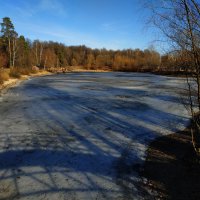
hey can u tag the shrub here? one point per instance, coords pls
(15, 73)
(24, 71)
(35, 69)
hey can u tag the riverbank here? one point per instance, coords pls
(14, 81)
(76, 69)
(171, 169)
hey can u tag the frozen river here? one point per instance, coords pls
(82, 136)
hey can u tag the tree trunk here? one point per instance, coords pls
(36, 53)
(14, 51)
(41, 51)
(10, 52)
(45, 63)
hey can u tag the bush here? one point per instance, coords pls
(24, 71)
(35, 69)
(15, 73)
(4, 76)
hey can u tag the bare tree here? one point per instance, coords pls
(179, 22)
(38, 52)
(41, 52)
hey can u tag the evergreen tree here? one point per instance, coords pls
(9, 36)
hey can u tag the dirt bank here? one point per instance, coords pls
(172, 169)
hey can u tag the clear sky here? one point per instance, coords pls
(113, 24)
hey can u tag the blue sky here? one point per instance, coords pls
(113, 24)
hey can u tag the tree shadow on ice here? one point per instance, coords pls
(79, 145)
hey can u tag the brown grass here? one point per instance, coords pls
(17, 72)
(14, 72)
(83, 69)
(4, 75)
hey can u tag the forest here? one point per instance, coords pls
(20, 55)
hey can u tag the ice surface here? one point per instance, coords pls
(70, 136)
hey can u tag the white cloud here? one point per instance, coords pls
(118, 27)
(52, 5)
(108, 27)
(69, 37)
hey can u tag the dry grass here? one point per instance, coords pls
(17, 72)
(4, 75)
(9, 77)
(14, 73)
(83, 69)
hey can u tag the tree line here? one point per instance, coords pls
(20, 52)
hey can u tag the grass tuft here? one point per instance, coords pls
(4, 75)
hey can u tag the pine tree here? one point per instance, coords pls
(9, 35)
